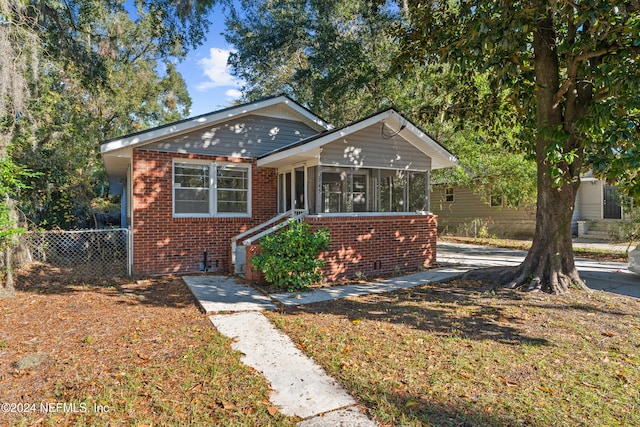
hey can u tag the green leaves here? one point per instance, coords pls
(97, 70)
(10, 183)
(289, 258)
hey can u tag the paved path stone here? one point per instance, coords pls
(349, 417)
(300, 387)
(402, 282)
(223, 293)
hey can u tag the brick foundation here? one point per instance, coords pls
(377, 245)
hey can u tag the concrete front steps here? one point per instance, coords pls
(606, 230)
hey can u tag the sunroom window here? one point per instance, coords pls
(369, 190)
(197, 194)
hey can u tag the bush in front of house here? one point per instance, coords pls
(289, 258)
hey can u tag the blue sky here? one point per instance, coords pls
(205, 71)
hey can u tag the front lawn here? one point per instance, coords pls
(462, 354)
(122, 353)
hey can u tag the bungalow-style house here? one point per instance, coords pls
(461, 211)
(214, 183)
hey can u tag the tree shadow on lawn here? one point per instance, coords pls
(163, 291)
(438, 411)
(468, 311)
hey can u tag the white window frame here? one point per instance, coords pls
(449, 195)
(213, 189)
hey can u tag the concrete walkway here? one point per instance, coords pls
(302, 388)
(403, 282)
(223, 293)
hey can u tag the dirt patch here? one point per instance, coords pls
(140, 349)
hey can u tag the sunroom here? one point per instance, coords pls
(378, 165)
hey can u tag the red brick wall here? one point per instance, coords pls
(373, 245)
(377, 245)
(163, 244)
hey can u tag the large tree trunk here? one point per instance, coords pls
(549, 265)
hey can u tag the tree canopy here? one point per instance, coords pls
(342, 58)
(92, 70)
(573, 73)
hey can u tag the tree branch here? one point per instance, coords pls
(572, 69)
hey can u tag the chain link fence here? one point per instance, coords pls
(92, 253)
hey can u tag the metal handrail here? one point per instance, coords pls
(296, 217)
(295, 214)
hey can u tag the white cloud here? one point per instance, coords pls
(216, 69)
(233, 93)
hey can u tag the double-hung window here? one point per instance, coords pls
(203, 189)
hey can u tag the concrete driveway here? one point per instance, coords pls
(598, 275)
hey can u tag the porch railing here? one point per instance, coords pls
(255, 233)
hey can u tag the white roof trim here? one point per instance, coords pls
(188, 125)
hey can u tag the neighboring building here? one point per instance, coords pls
(462, 212)
(598, 210)
(196, 185)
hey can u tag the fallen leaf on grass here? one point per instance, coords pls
(588, 384)
(621, 376)
(546, 389)
(273, 411)
(227, 405)
(609, 334)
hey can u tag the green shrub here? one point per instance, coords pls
(289, 258)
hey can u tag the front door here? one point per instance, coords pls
(612, 209)
(291, 190)
(299, 186)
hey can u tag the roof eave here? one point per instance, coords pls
(191, 124)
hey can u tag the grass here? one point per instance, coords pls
(462, 354)
(456, 354)
(119, 352)
(525, 245)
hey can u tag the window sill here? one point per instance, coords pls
(369, 214)
(210, 216)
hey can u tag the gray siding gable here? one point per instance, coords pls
(249, 136)
(368, 148)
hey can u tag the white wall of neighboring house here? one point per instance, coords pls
(589, 201)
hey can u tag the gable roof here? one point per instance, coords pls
(393, 125)
(193, 123)
(117, 152)
(398, 138)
